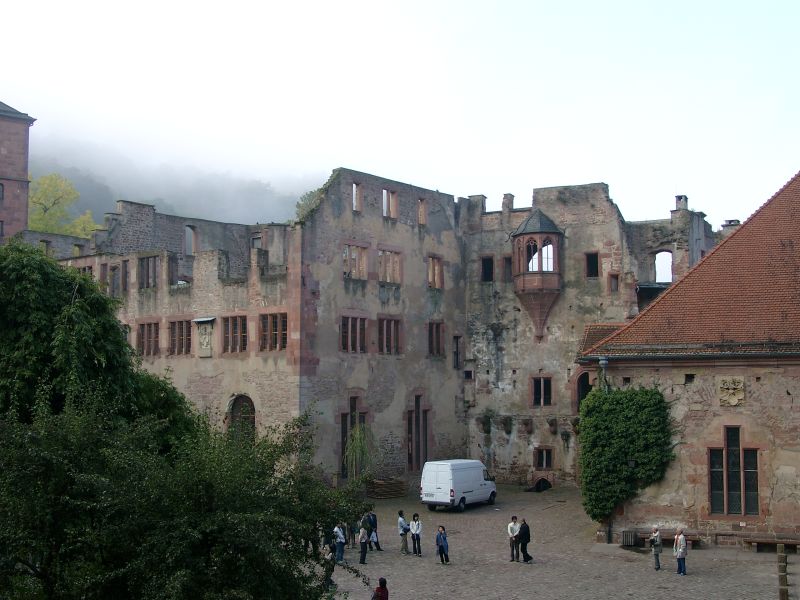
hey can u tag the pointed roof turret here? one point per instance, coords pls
(537, 222)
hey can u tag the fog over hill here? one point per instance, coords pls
(102, 176)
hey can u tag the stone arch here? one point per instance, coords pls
(542, 484)
(240, 415)
(662, 267)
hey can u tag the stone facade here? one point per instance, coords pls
(14, 131)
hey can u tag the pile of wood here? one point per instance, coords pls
(386, 488)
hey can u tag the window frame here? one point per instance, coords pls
(147, 272)
(147, 339)
(436, 344)
(180, 337)
(353, 334)
(390, 330)
(545, 384)
(435, 272)
(355, 260)
(390, 265)
(596, 258)
(544, 455)
(487, 262)
(273, 331)
(725, 456)
(234, 334)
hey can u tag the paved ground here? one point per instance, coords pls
(567, 563)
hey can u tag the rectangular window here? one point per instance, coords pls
(389, 336)
(487, 269)
(613, 283)
(255, 242)
(354, 334)
(124, 276)
(733, 477)
(436, 339)
(148, 272)
(273, 333)
(435, 273)
(354, 260)
(358, 201)
(592, 264)
(388, 266)
(104, 273)
(172, 269)
(114, 282)
(389, 204)
(507, 272)
(234, 334)
(77, 249)
(348, 423)
(542, 391)
(422, 212)
(85, 270)
(147, 342)
(180, 337)
(544, 458)
(456, 351)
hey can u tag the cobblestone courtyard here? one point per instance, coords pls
(567, 563)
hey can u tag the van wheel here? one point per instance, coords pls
(461, 505)
(492, 496)
(431, 507)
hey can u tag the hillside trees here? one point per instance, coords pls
(51, 197)
(625, 438)
(110, 487)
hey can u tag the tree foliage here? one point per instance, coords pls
(111, 488)
(51, 197)
(625, 446)
(308, 203)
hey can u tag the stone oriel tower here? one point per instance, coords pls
(14, 128)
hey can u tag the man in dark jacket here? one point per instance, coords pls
(372, 518)
(524, 540)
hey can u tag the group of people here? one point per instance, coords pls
(414, 528)
(519, 536)
(678, 549)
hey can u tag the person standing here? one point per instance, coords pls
(363, 538)
(416, 531)
(513, 538)
(442, 547)
(381, 592)
(330, 563)
(403, 529)
(655, 546)
(525, 539)
(339, 539)
(679, 550)
(373, 536)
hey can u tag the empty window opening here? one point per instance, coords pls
(77, 249)
(189, 240)
(114, 284)
(389, 204)
(417, 435)
(388, 266)
(613, 283)
(354, 259)
(626, 381)
(547, 256)
(663, 264)
(688, 378)
(593, 265)
(255, 242)
(584, 387)
(147, 340)
(487, 269)
(468, 375)
(422, 212)
(273, 332)
(357, 198)
(435, 272)
(456, 351)
(349, 421)
(124, 276)
(541, 388)
(532, 256)
(148, 272)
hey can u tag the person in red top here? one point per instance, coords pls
(381, 592)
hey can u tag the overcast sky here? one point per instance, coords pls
(654, 98)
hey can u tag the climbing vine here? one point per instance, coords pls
(625, 438)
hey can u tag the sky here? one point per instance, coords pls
(465, 97)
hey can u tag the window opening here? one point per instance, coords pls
(389, 204)
(234, 334)
(148, 272)
(180, 337)
(544, 458)
(422, 212)
(388, 266)
(389, 336)
(542, 391)
(663, 266)
(255, 242)
(487, 269)
(354, 336)
(613, 283)
(436, 339)
(456, 351)
(593, 265)
(189, 240)
(547, 256)
(357, 199)
(355, 262)
(733, 476)
(435, 272)
(242, 418)
(532, 256)
(273, 331)
(584, 387)
(147, 342)
(507, 270)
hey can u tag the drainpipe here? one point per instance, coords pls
(603, 362)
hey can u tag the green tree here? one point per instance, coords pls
(51, 197)
(111, 488)
(625, 438)
(308, 203)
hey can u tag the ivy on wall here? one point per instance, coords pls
(625, 438)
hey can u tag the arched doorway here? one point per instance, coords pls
(663, 267)
(584, 387)
(242, 417)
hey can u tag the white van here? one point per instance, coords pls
(456, 483)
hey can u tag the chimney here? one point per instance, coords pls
(729, 226)
(681, 202)
(508, 202)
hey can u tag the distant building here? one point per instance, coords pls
(723, 344)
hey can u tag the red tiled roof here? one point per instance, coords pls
(742, 298)
(596, 332)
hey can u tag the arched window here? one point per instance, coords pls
(664, 267)
(584, 387)
(532, 256)
(547, 256)
(189, 240)
(242, 417)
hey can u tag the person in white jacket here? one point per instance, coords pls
(416, 532)
(513, 538)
